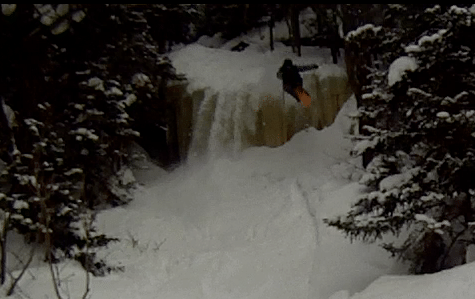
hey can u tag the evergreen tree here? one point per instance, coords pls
(418, 106)
(231, 20)
(71, 74)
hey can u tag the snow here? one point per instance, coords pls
(129, 100)
(414, 90)
(454, 283)
(211, 42)
(140, 79)
(85, 132)
(460, 95)
(48, 14)
(374, 94)
(251, 226)
(363, 145)
(79, 106)
(62, 9)
(434, 9)
(241, 228)
(78, 16)
(20, 204)
(236, 86)
(73, 171)
(126, 176)
(60, 28)
(443, 114)
(424, 218)
(361, 29)
(10, 114)
(114, 91)
(97, 83)
(458, 10)
(397, 180)
(253, 69)
(399, 67)
(425, 40)
(431, 38)
(8, 9)
(431, 196)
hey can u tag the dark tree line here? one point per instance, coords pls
(81, 82)
(75, 82)
(413, 78)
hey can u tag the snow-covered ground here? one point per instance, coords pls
(249, 227)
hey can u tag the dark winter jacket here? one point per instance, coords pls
(289, 73)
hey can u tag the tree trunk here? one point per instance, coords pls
(294, 19)
(172, 127)
(6, 135)
(289, 26)
(3, 240)
(271, 32)
(246, 17)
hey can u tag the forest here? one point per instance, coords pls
(83, 84)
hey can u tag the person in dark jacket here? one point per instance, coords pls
(292, 81)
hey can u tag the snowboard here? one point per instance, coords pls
(303, 96)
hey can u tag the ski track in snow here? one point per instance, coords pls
(244, 228)
(225, 231)
(237, 218)
(311, 210)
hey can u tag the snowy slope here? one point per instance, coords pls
(249, 228)
(244, 228)
(454, 283)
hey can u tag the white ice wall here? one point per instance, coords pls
(237, 101)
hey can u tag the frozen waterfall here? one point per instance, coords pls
(232, 102)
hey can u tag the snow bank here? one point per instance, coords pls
(210, 63)
(250, 70)
(216, 69)
(450, 284)
(249, 228)
(400, 67)
(211, 42)
(142, 167)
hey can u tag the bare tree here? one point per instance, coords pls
(3, 244)
(295, 24)
(25, 267)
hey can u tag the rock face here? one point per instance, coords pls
(211, 122)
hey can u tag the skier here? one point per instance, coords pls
(292, 82)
